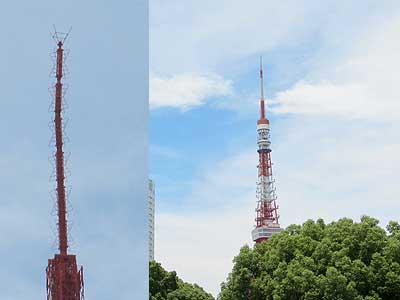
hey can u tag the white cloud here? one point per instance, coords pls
(354, 51)
(364, 85)
(188, 90)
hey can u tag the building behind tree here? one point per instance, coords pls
(151, 219)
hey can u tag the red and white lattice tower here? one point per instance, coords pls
(64, 279)
(267, 222)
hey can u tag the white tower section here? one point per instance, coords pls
(151, 218)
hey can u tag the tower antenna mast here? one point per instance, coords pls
(262, 101)
(64, 279)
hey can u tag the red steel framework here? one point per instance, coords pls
(64, 279)
(267, 218)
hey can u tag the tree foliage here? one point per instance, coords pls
(166, 285)
(343, 260)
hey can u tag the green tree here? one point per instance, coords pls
(164, 285)
(343, 260)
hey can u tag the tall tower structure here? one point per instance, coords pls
(151, 218)
(64, 279)
(267, 218)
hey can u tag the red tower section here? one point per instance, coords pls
(267, 210)
(64, 279)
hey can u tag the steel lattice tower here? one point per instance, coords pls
(267, 218)
(64, 279)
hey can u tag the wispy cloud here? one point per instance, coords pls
(188, 90)
(213, 35)
(209, 33)
(362, 85)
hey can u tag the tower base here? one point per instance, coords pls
(64, 280)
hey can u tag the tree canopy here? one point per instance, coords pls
(337, 261)
(166, 285)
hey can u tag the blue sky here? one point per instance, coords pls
(331, 74)
(107, 129)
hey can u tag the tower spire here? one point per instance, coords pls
(64, 279)
(266, 211)
(60, 176)
(262, 102)
(261, 79)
